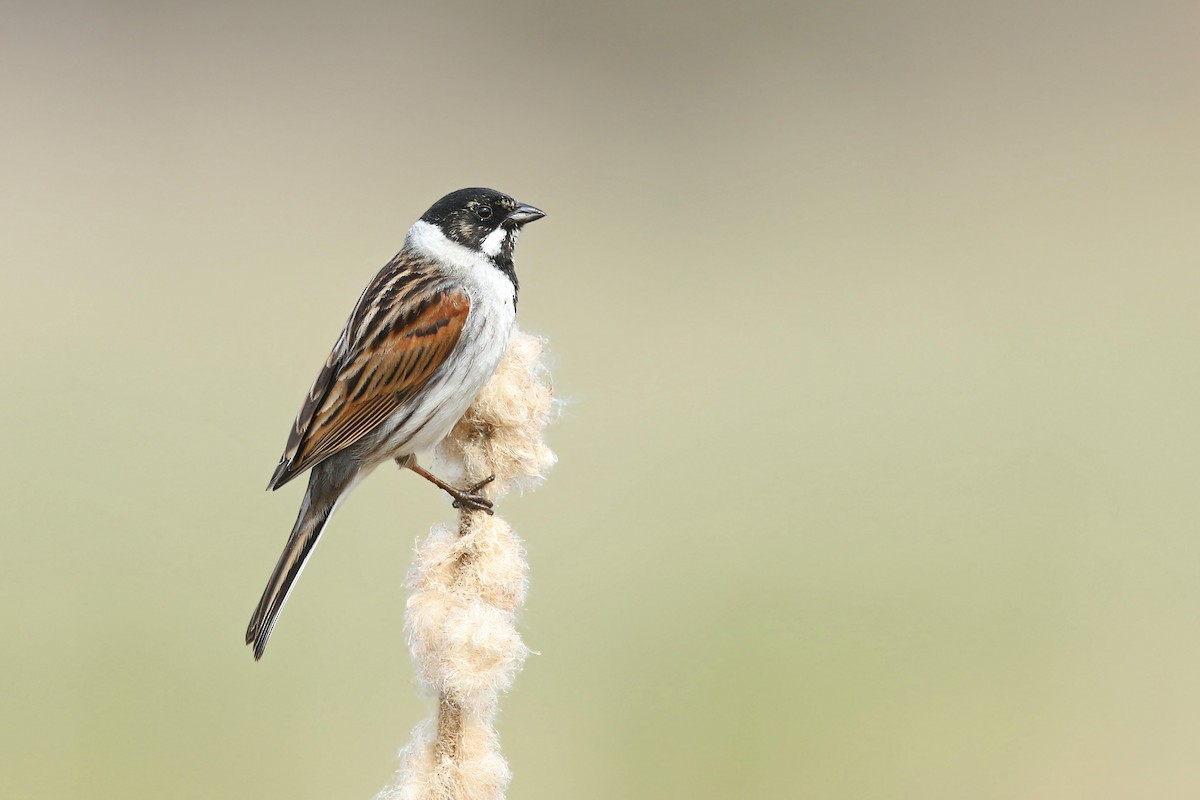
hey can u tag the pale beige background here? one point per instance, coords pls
(877, 324)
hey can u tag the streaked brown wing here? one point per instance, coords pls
(393, 353)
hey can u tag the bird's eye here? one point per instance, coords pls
(484, 212)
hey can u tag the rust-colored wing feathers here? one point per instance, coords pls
(403, 329)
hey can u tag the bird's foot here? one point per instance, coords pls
(471, 498)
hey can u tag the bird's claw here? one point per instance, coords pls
(472, 500)
(475, 489)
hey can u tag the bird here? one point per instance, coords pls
(424, 337)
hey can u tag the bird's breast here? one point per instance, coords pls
(428, 416)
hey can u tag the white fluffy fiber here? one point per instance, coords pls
(468, 583)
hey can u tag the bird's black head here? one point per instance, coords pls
(483, 220)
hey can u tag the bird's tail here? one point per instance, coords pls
(326, 487)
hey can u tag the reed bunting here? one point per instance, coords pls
(425, 336)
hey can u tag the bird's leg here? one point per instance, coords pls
(469, 498)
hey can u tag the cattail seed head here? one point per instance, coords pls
(467, 584)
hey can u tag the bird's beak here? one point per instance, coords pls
(526, 213)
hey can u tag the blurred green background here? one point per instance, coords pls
(877, 328)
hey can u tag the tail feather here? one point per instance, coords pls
(319, 503)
